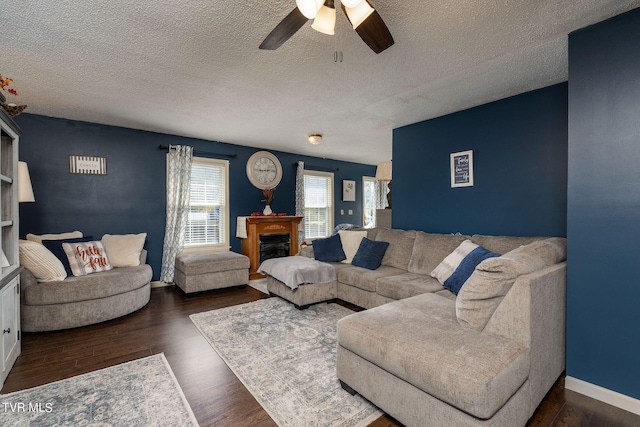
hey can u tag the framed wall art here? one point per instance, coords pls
(87, 165)
(462, 169)
(348, 190)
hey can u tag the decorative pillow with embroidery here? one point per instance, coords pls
(86, 257)
(55, 246)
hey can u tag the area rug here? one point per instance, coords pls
(287, 360)
(141, 393)
(259, 284)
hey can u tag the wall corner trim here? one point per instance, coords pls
(605, 395)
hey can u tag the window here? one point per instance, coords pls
(208, 220)
(318, 204)
(369, 204)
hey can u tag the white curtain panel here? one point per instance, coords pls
(381, 194)
(178, 187)
(300, 200)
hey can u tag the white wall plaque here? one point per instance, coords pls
(88, 165)
(462, 169)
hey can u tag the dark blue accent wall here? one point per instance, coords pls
(131, 198)
(520, 168)
(603, 342)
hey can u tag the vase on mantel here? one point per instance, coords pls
(267, 210)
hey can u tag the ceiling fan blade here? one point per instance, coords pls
(284, 30)
(374, 32)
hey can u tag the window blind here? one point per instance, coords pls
(318, 204)
(207, 204)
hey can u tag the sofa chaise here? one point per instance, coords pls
(425, 356)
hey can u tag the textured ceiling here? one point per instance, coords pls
(193, 67)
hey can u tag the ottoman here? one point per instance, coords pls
(304, 295)
(300, 280)
(202, 271)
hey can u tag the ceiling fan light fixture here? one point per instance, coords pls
(359, 13)
(325, 21)
(309, 8)
(351, 3)
(315, 138)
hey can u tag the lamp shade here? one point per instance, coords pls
(325, 21)
(383, 172)
(359, 13)
(25, 191)
(309, 8)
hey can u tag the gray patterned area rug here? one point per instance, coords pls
(140, 393)
(287, 360)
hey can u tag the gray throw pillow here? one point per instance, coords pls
(493, 277)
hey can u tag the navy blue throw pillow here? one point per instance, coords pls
(55, 246)
(466, 267)
(370, 254)
(329, 249)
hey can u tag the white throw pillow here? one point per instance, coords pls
(86, 257)
(41, 262)
(61, 236)
(351, 242)
(124, 250)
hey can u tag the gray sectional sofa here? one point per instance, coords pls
(83, 300)
(428, 357)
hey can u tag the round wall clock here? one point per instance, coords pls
(264, 170)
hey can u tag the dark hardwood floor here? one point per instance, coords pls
(216, 396)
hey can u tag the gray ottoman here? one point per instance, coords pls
(202, 271)
(304, 295)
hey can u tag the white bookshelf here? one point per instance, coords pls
(10, 343)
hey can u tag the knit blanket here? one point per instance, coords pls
(294, 271)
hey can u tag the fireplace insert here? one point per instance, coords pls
(274, 246)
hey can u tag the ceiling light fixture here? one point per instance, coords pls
(309, 8)
(325, 21)
(351, 3)
(366, 21)
(315, 138)
(358, 13)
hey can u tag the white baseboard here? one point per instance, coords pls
(605, 395)
(159, 284)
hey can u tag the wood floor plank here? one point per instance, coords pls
(217, 397)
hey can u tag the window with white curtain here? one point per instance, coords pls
(369, 204)
(208, 222)
(318, 204)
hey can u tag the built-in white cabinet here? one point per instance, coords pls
(9, 257)
(10, 302)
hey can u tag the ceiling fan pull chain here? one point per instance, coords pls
(337, 40)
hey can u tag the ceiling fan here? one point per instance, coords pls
(363, 17)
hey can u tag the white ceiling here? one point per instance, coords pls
(193, 67)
